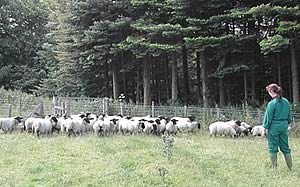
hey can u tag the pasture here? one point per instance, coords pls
(124, 160)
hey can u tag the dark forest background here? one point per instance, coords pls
(196, 52)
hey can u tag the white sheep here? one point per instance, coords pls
(134, 127)
(44, 126)
(161, 126)
(123, 125)
(241, 131)
(221, 128)
(92, 118)
(76, 126)
(257, 130)
(213, 128)
(98, 126)
(171, 127)
(186, 124)
(61, 124)
(28, 124)
(9, 124)
(225, 129)
(193, 125)
(234, 124)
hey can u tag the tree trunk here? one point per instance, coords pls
(290, 83)
(123, 74)
(185, 74)
(245, 87)
(295, 78)
(138, 84)
(198, 77)
(146, 81)
(221, 81)
(221, 92)
(174, 81)
(106, 77)
(157, 80)
(166, 77)
(253, 95)
(203, 78)
(115, 78)
(279, 69)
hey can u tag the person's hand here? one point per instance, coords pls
(264, 132)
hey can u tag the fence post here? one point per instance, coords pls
(103, 105)
(185, 111)
(121, 107)
(218, 113)
(20, 106)
(63, 110)
(68, 108)
(9, 110)
(54, 103)
(152, 111)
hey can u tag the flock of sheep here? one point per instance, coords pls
(104, 125)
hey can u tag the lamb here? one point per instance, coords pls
(241, 131)
(186, 124)
(161, 125)
(28, 124)
(148, 126)
(9, 124)
(134, 127)
(98, 127)
(257, 130)
(234, 124)
(193, 125)
(93, 118)
(44, 126)
(182, 123)
(225, 129)
(105, 126)
(171, 127)
(123, 125)
(61, 124)
(222, 128)
(76, 126)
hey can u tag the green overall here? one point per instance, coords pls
(276, 120)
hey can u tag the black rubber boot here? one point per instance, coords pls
(288, 160)
(274, 160)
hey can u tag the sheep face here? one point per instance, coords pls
(157, 121)
(238, 122)
(86, 120)
(53, 118)
(114, 121)
(18, 118)
(174, 121)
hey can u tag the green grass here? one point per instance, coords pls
(197, 160)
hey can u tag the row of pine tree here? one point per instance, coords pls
(199, 52)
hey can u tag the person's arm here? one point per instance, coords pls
(290, 115)
(268, 115)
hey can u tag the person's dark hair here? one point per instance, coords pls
(276, 89)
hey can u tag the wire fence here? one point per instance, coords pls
(23, 106)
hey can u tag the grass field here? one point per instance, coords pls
(197, 160)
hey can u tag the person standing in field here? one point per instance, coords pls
(276, 120)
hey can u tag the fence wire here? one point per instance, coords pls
(23, 107)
